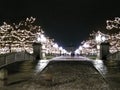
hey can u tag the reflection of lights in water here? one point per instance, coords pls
(100, 66)
(41, 65)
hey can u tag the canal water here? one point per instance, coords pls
(67, 75)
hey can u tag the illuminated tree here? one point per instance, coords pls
(96, 37)
(114, 26)
(6, 37)
(20, 35)
(113, 23)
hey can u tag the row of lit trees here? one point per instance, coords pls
(92, 45)
(20, 37)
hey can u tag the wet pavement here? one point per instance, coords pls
(67, 73)
(111, 73)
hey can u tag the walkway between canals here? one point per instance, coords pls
(64, 73)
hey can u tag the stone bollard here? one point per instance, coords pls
(104, 50)
(3, 77)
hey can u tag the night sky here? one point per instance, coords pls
(69, 22)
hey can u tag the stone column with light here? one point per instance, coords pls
(98, 51)
(39, 46)
(43, 52)
(37, 50)
(104, 50)
(100, 38)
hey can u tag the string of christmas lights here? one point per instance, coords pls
(20, 37)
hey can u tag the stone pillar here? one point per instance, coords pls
(3, 77)
(43, 54)
(37, 50)
(104, 50)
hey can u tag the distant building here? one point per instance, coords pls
(70, 49)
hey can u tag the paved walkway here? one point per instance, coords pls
(79, 75)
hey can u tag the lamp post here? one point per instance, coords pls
(80, 48)
(41, 39)
(60, 49)
(43, 42)
(99, 38)
(56, 48)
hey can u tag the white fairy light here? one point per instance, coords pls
(21, 36)
(113, 23)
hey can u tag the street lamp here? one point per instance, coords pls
(56, 48)
(99, 38)
(98, 41)
(42, 39)
(60, 49)
(80, 48)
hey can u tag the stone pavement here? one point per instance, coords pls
(63, 73)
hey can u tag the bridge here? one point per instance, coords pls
(26, 45)
(66, 72)
(94, 69)
(10, 58)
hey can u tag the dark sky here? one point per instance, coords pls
(67, 21)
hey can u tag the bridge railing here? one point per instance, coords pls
(114, 56)
(14, 57)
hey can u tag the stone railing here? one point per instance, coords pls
(9, 58)
(114, 56)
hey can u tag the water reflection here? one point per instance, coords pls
(100, 66)
(41, 65)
